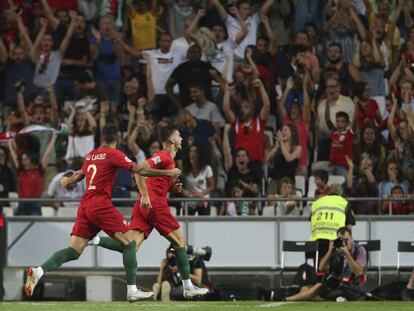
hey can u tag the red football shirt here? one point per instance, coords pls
(100, 167)
(341, 146)
(30, 184)
(366, 115)
(250, 135)
(158, 186)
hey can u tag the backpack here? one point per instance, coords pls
(305, 275)
(390, 291)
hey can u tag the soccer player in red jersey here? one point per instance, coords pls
(152, 209)
(96, 212)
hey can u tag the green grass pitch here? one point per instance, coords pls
(206, 306)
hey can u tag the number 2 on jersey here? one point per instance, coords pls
(94, 170)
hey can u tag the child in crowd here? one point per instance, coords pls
(234, 208)
(286, 190)
(341, 142)
(321, 182)
(397, 207)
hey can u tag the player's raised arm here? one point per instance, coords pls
(144, 169)
(73, 179)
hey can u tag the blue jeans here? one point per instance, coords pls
(29, 208)
(337, 170)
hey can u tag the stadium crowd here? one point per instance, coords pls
(262, 91)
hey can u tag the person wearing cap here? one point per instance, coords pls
(328, 214)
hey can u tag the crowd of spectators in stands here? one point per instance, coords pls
(263, 91)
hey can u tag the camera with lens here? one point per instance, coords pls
(19, 85)
(203, 253)
(338, 243)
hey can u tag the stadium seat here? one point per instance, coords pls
(372, 246)
(320, 165)
(8, 211)
(48, 211)
(336, 179)
(173, 210)
(268, 210)
(133, 194)
(404, 247)
(298, 246)
(213, 211)
(67, 212)
(13, 195)
(300, 183)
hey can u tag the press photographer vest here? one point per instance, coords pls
(328, 215)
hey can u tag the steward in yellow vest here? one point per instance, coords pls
(328, 214)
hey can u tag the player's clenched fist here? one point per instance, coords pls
(175, 172)
(145, 201)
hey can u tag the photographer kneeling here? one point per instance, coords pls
(345, 268)
(169, 285)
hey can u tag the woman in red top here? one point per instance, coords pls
(30, 178)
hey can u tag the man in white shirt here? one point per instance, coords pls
(201, 108)
(56, 191)
(337, 103)
(242, 27)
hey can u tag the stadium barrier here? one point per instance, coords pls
(239, 243)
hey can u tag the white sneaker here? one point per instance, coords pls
(194, 291)
(31, 281)
(165, 291)
(156, 290)
(139, 295)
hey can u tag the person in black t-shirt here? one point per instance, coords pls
(192, 71)
(76, 59)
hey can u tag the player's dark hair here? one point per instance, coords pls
(110, 133)
(166, 132)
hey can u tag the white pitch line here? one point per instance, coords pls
(274, 304)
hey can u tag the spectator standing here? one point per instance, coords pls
(198, 179)
(82, 127)
(76, 59)
(30, 177)
(249, 129)
(201, 108)
(179, 11)
(106, 52)
(300, 116)
(241, 171)
(343, 24)
(143, 19)
(348, 73)
(336, 103)
(48, 61)
(341, 142)
(284, 155)
(192, 71)
(242, 25)
(17, 65)
(370, 61)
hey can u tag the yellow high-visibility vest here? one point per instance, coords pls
(328, 215)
